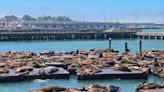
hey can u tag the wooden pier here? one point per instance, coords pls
(67, 35)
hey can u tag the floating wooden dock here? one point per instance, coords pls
(15, 77)
(109, 73)
(151, 90)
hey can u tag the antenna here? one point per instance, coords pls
(111, 19)
(79, 19)
(83, 19)
(116, 19)
(135, 21)
(104, 19)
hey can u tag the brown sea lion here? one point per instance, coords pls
(52, 89)
(4, 70)
(151, 86)
(72, 90)
(38, 64)
(88, 70)
(23, 69)
(123, 67)
(35, 91)
(147, 86)
(97, 88)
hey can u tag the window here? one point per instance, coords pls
(54, 26)
(46, 26)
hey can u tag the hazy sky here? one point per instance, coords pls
(89, 10)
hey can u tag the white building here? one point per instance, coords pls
(27, 25)
(13, 25)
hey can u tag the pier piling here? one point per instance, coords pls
(140, 53)
(126, 47)
(110, 39)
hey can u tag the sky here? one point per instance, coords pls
(89, 10)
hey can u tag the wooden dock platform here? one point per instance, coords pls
(109, 73)
(15, 77)
(152, 90)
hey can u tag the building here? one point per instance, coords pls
(53, 25)
(10, 25)
(30, 25)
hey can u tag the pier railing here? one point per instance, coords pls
(131, 30)
(45, 32)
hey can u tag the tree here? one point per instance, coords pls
(42, 18)
(10, 18)
(63, 18)
(39, 19)
(7, 18)
(28, 18)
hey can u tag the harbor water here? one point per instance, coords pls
(117, 44)
(69, 45)
(36, 46)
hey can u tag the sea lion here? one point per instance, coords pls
(151, 86)
(35, 91)
(23, 69)
(97, 88)
(52, 89)
(88, 70)
(123, 67)
(51, 69)
(4, 70)
(114, 89)
(147, 86)
(38, 64)
(72, 90)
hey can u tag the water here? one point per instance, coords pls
(36, 46)
(126, 85)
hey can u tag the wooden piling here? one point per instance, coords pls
(140, 45)
(110, 43)
(126, 47)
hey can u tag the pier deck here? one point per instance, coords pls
(150, 35)
(62, 35)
